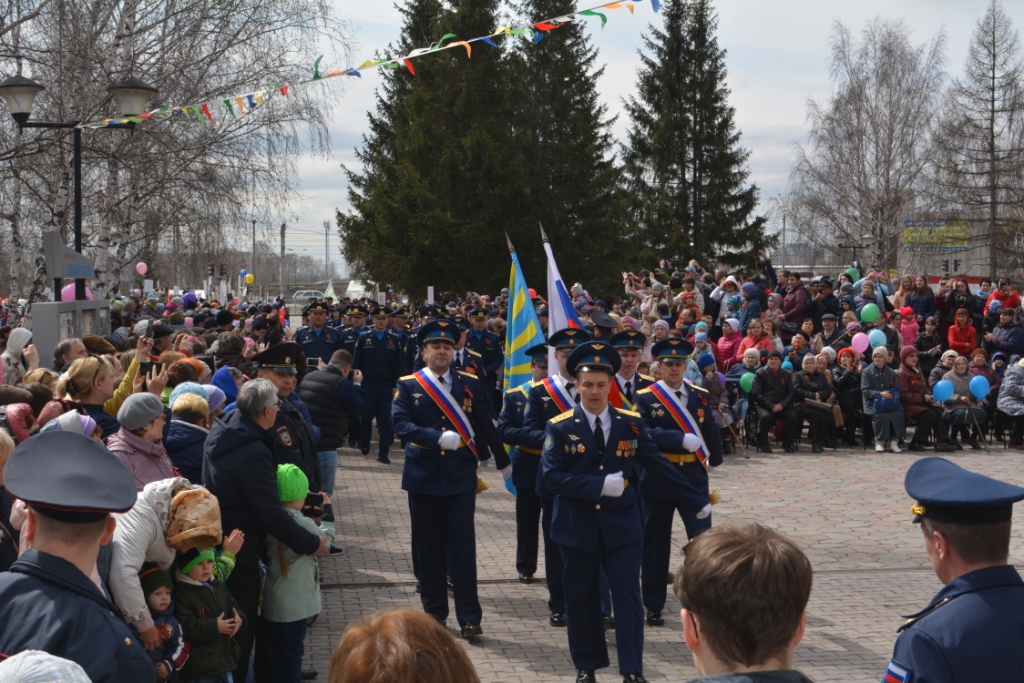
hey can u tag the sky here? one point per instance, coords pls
(777, 55)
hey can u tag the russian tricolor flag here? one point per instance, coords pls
(561, 313)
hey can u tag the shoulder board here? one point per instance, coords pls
(468, 374)
(474, 353)
(646, 390)
(564, 416)
(695, 386)
(910, 621)
(522, 390)
(631, 413)
(534, 384)
(402, 379)
(648, 378)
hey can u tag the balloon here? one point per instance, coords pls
(281, 315)
(876, 338)
(787, 366)
(141, 268)
(747, 381)
(943, 390)
(853, 273)
(250, 278)
(236, 301)
(533, 294)
(67, 293)
(243, 272)
(860, 342)
(869, 313)
(979, 387)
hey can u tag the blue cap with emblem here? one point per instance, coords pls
(382, 312)
(628, 340)
(948, 493)
(569, 338)
(538, 353)
(461, 321)
(361, 309)
(478, 314)
(594, 356)
(316, 307)
(672, 348)
(438, 331)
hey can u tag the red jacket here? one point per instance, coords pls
(963, 340)
(1011, 300)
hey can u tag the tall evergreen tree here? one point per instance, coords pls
(684, 165)
(442, 175)
(574, 183)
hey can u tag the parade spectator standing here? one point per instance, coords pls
(137, 444)
(170, 655)
(19, 357)
(210, 618)
(186, 436)
(963, 338)
(1007, 336)
(68, 351)
(8, 535)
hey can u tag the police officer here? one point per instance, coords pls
(590, 453)
(485, 343)
(48, 600)
(318, 340)
(629, 344)
(525, 462)
(447, 421)
(678, 417)
(379, 357)
(973, 628)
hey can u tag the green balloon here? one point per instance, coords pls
(853, 273)
(869, 313)
(747, 381)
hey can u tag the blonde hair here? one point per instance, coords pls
(48, 378)
(80, 377)
(6, 444)
(191, 407)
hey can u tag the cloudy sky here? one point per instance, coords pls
(777, 58)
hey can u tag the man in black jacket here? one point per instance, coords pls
(239, 467)
(773, 395)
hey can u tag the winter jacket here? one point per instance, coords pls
(827, 304)
(963, 340)
(240, 469)
(936, 375)
(1011, 300)
(794, 304)
(751, 310)
(145, 460)
(296, 596)
(989, 374)
(1007, 338)
(1011, 393)
(908, 331)
(961, 387)
(14, 364)
(18, 420)
(913, 388)
(772, 388)
(922, 302)
(806, 385)
(874, 381)
(761, 343)
(107, 422)
(728, 344)
(172, 650)
(924, 344)
(197, 606)
(956, 300)
(846, 384)
(184, 446)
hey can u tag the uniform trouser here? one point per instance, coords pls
(244, 586)
(587, 645)
(527, 519)
(443, 529)
(553, 566)
(657, 545)
(377, 404)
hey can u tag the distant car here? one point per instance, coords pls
(304, 295)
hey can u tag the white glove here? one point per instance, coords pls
(449, 441)
(691, 442)
(614, 486)
(704, 512)
(507, 472)
(712, 468)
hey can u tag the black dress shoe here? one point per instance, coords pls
(471, 629)
(671, 578)
(525, 578)
(634, 678)
(586, 676)
(451, 586)
(336, 550)
(609, 623)
(557, 619)
(309, 675)
(384, 460)
(654, 618)
(365, 449)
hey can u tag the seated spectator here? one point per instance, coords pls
(846, 384)
(916, 397)
(190, 424)
(137, 444)
(962, 336)
(729, 343)
(1007, 336)
(744, 593)
(811, 385)
(1011, 402)
(755, 339)
(796, 351)
(737, 396)
(19, 358)
(962, 409)
(399, 646)
(772, 393)
(944, 366)
(881, 390)
(979, 367)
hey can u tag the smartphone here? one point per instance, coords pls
(314, 505)
(149, 331)
(159, 367)
(313, 363)
(145, 366)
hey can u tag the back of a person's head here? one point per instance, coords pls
(229, 343)
(399, 646)
(191, 408)
(77, 382)
(341, 358)
(748, 587)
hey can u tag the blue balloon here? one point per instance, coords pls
(510, 487)
(243, 272)
(876, 338)
(787, 366)
(943, 390)
(979, 387)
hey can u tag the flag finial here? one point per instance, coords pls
(543, 235)
(510, 247)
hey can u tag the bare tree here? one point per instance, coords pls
(870, 141)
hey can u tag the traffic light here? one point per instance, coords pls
(209, 270)
(223, 270)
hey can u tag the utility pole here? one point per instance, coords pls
(327, 250)
(783, 240)
(280, 265)
(174, 280)
(253, 267)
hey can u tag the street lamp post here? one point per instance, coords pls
(20, 94)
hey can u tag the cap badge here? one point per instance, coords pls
(918, 509)
(597, 347)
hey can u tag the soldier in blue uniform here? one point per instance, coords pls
(400, 327)
(973, 628)
(525, 461)
(485, 343)
(379, 358)
(357, 315)
(448, 423)
(678, 416)
(318, 340)
(630, 344)
(547, 399)
(590, 454)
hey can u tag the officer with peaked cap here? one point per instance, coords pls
(973, 628)
(590, 453)
(630, 344)
(318, 340)
(379, 357)
(525, 462)
(52, 598)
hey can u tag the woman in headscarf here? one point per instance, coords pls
(811, 385)
(881, 389)
(962, 408)
(916, 397)
(729, 343)
(19, 358)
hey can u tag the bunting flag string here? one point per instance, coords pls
(244, 104)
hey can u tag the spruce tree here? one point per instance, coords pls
(684, 166)
(442, 175)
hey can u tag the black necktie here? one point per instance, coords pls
(569, 387)
(458, 360)
(441, 380)
(599, 436)
(679, 395)
(629, 391)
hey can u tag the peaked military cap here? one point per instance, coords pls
(478, 313)
(461, 321)
(401, 312)
(947, 492)
(382, 312)
(594, 356)
(602, 319)
(280, 358)
(569, 338)
(670, 348)
(628, 339)
(430, 311)
(538, 353)
(316, 307)
(439, 331)
(358, 310)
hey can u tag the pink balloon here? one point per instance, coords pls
(67, 293)
(860, 342)
(141, 268)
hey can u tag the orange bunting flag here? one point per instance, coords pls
(545, 27)
(469, 48)
(241, 105)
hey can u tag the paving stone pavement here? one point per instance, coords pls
(847, 510)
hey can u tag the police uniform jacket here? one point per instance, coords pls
(575, 471)
(418, 420)
(971, 631)
(380, 360)
(513, 431)
(47, 603)
(489, 347)
(295, 443)
(320, 345)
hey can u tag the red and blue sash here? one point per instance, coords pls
(446, 402)
(559, 395)
(682, 417)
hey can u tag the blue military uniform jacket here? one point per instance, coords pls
(322, 345)
(972, 630)
(540, 408)
(512, 429)
(47, 603)
(574, 471)
(349, 338)
(488, 346)
(668, 435)
(380, 360)
(409, 349)
(418, 420)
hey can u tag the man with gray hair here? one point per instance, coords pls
(239, 468)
